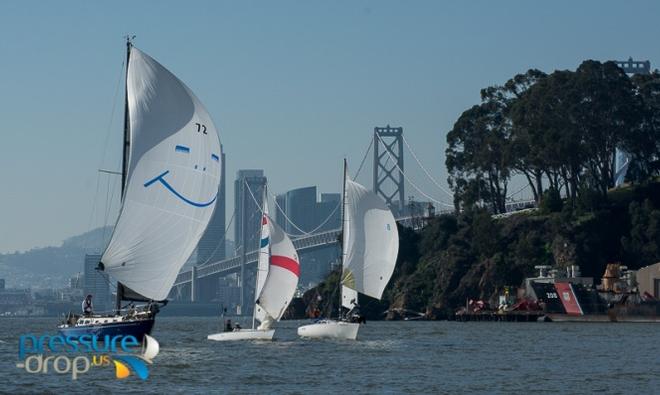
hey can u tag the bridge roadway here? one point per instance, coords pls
(233, 265)
(302, 244)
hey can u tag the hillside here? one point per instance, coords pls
(475, 256)
(47, 267)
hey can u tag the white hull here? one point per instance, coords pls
(243, 334)
(330, 329)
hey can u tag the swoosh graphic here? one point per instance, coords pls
(161, 179)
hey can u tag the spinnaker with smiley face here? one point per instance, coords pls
(171, 173)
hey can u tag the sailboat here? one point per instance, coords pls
(278, 270)
(170, 177)
(370, 244)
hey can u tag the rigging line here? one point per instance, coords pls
(107, 203)
(105, 149)
(364, 158)
(423, 168)
(297, 228)
(410, 182)
(222, 240)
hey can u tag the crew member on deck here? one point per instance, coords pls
(87, 307)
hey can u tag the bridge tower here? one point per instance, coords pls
(388, 159)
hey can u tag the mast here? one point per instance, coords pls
(125, 152)
(261, 236)
(344, 239)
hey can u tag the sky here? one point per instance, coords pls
(293, 86)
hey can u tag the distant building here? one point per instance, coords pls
(211, 247)
(648, 280)
(229, 294)
(97, 284)
(302, 208)
(77, 281)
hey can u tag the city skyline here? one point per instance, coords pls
(293, 89)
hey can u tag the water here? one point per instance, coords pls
(389, 357)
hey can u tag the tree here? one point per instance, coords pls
(478, 150)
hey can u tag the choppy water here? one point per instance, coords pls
(389, 357)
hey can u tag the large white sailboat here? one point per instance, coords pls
(370, 244)
(170, 177)
(278, 270)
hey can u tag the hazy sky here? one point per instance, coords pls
(293, 86)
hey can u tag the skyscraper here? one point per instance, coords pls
(302, 208)
(97, 284)
(211, 247)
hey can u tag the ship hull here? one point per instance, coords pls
(136, 328)
(243, 334)
(329, 329)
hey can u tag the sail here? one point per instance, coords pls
(372, 241)
(172, 180)
(262, 261)
(283, 273)
(349, 297)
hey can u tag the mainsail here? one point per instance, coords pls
(371, 245)
(172, 180)
(283, 273)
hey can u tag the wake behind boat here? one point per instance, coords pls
(170, 177)
(370, 244)
(278, 270)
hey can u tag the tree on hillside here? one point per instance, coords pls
(524, 153)
(478, 149)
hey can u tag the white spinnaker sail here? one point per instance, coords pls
(283, 273)
(372, 242)
(172, 180)
(262, 261)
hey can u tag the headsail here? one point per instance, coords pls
(172, 181)
(372, 242)
(263, 260)
(283, 273)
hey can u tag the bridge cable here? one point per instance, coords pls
(426, 171)
(222, 240)
(410, 182)
(511, 195)
(364, 158)
(311, 232)
(303, 233)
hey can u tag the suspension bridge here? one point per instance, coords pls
(389, 181)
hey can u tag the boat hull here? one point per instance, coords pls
(131, 328)
(243, 334)
(330, 330)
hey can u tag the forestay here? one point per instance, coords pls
(172, 180)
(372, 242)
